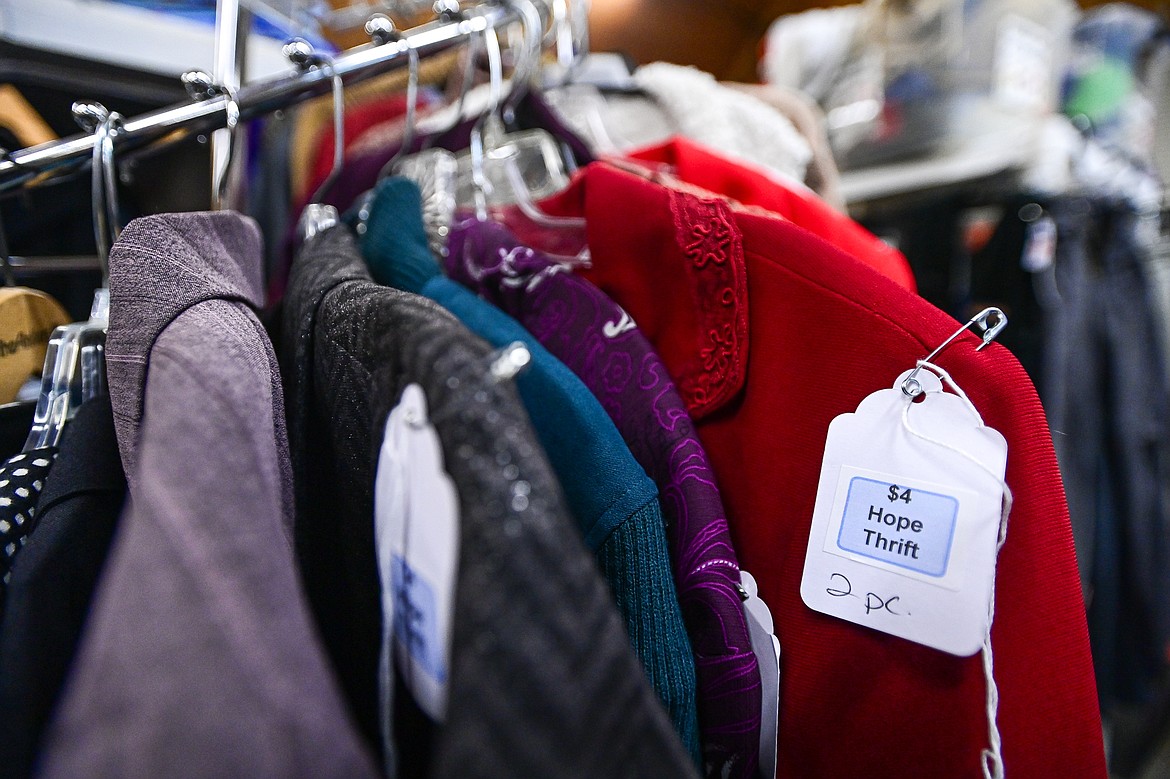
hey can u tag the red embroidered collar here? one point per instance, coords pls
(683, 256)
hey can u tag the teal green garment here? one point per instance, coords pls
(611, 497)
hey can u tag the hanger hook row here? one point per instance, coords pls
(983, 320)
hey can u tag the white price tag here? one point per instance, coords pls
(1039, 245)
(416, 528)
(907, 517)
(766, 647)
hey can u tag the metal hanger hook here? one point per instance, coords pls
(522, 73)
(302, 55)
(910, 385)
(496, 76)
(200, 86)
(104, 125)
(495, 70)
(380, 28)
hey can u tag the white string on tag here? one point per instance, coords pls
(992, 756)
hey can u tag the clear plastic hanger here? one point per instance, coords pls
(75, 362)
(581, 105)
(502, 168)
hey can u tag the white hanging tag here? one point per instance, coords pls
(1022, 71)
(416, 528)
(1039, 245)
(907, 517)
(766, 648)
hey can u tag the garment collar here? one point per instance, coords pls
(663, 240)
(161, 266)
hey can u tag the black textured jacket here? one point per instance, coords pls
(543, 680)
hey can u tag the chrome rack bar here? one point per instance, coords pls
(228, 150)
(37, 164)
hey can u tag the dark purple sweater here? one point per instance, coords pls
(599, 342)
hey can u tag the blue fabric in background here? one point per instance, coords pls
(204, 11)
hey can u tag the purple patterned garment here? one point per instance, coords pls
(599, 342)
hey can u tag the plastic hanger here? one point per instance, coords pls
(581, 104)
(502, 168)
(75, 362)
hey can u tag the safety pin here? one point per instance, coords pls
(910, 386)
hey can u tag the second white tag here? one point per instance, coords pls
(416, 528)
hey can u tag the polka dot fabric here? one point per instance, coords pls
(21, 479)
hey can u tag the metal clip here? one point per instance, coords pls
(910, 386)
(381, 29)
(316, 218)
(510, 361)
(447, 10)
(200, 85)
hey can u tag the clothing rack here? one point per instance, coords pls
(37, 164)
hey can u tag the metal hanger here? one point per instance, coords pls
(318, 217)
(527, 60)
(105, 126)
(488, 120)
(380, 28)
(433, 170)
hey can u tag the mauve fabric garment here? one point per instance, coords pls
(609, 494)
(53, 580)
(199, 657)
(543, 682)
(599, 342)
(770, 333)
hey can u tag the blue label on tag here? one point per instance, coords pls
(900, 525)
(415, 620)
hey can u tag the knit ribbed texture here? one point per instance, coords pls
(649, 605)
(396, 215)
